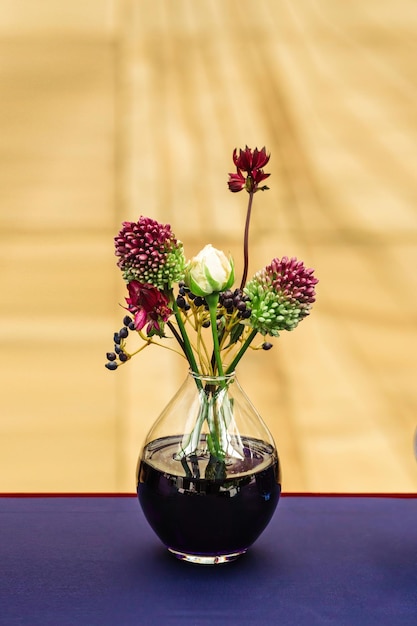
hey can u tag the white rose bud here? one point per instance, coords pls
(209, 272)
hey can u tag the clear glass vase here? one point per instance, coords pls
(208, 477)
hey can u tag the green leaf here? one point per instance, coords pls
(235, 334)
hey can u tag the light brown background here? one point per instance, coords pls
(111, 109)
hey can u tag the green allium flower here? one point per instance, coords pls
(281, 295)
(149, 253)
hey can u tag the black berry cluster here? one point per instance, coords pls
(114, 359)
(186, 298)
(235, 301)
(231, 300)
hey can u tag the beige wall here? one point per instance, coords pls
(111, 109)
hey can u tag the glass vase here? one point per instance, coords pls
(208, 477)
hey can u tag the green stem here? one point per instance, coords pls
(241, 352)
(177, 336)
(212, 301)
(213, 356)
(188, 351)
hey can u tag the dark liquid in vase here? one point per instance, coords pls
(194, 515)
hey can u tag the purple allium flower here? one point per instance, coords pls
(250, 163)
(281, 295)
(149, 253)
(149, 306)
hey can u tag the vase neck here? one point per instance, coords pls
(213, 380)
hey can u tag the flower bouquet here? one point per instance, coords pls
(212, 323)
(194, 308)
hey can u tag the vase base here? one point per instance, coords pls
(206, 559)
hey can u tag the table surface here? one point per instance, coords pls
(344, 560)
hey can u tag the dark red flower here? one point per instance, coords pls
(237, 181)
(149, 306)
(248, 160)
(251, 163)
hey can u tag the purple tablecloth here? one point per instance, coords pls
(93, 561)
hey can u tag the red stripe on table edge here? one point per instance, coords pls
(288, 494)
